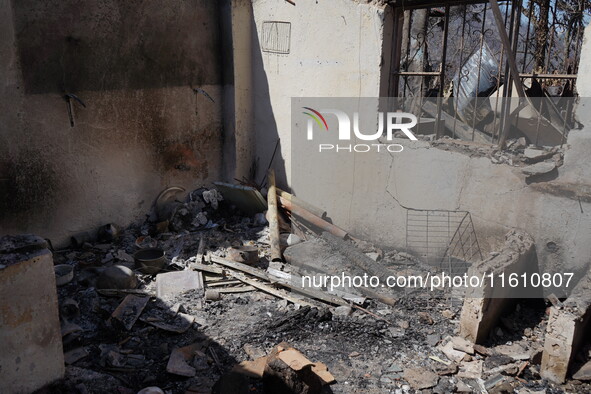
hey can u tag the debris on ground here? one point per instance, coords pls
(219, 315)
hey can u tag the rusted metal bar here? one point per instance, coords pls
(306, 205)
(512, 68)
(461, 63)
(548, 76)
(494, 5)
(418, 73)
(417, 4)
(525, 45)
(442, 73)
(311, 218)
(396, 51)
(272, 217)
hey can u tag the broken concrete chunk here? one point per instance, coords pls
(483, 306)
(420, 378)
(396, 332)
(584, 373)
(449, 369)
(130, 309)
(543, 167)
(451, 353)
(180, 360)
(462, 387)
(515, 351)
(212, 295)
(373, 255)
(462, 345)
(342, 310)
(481, 350)
(433, 339)
(293, 239)
(471, 369)
(117, 277)
(566, 328)
(171, 284)
(534, 155)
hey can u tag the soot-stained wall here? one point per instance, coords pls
(135, 65)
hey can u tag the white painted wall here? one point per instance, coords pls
(335, 51)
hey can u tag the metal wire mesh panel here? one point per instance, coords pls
(276, 37)
(444, 238)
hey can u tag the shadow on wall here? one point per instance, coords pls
(268, 145)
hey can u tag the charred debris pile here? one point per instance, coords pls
(204, 296)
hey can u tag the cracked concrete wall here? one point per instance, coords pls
(368, 195)
(134, 64)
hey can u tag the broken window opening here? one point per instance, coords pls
(451, 68)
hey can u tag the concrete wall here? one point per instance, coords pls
(335, 51)
(30, 334)
(134, 64)
(341, 48)
(370, 195)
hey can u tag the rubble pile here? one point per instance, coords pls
(203, 308)
(533, 160)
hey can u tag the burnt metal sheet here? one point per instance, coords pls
(246, 198)
(476, 78)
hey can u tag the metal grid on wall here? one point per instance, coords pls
(276, 37)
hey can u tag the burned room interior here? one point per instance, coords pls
(182, 212)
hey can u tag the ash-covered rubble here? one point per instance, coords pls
(206, 321)
(517, 154)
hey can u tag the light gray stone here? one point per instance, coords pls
(543, 167)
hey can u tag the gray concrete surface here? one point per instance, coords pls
(30, 333)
